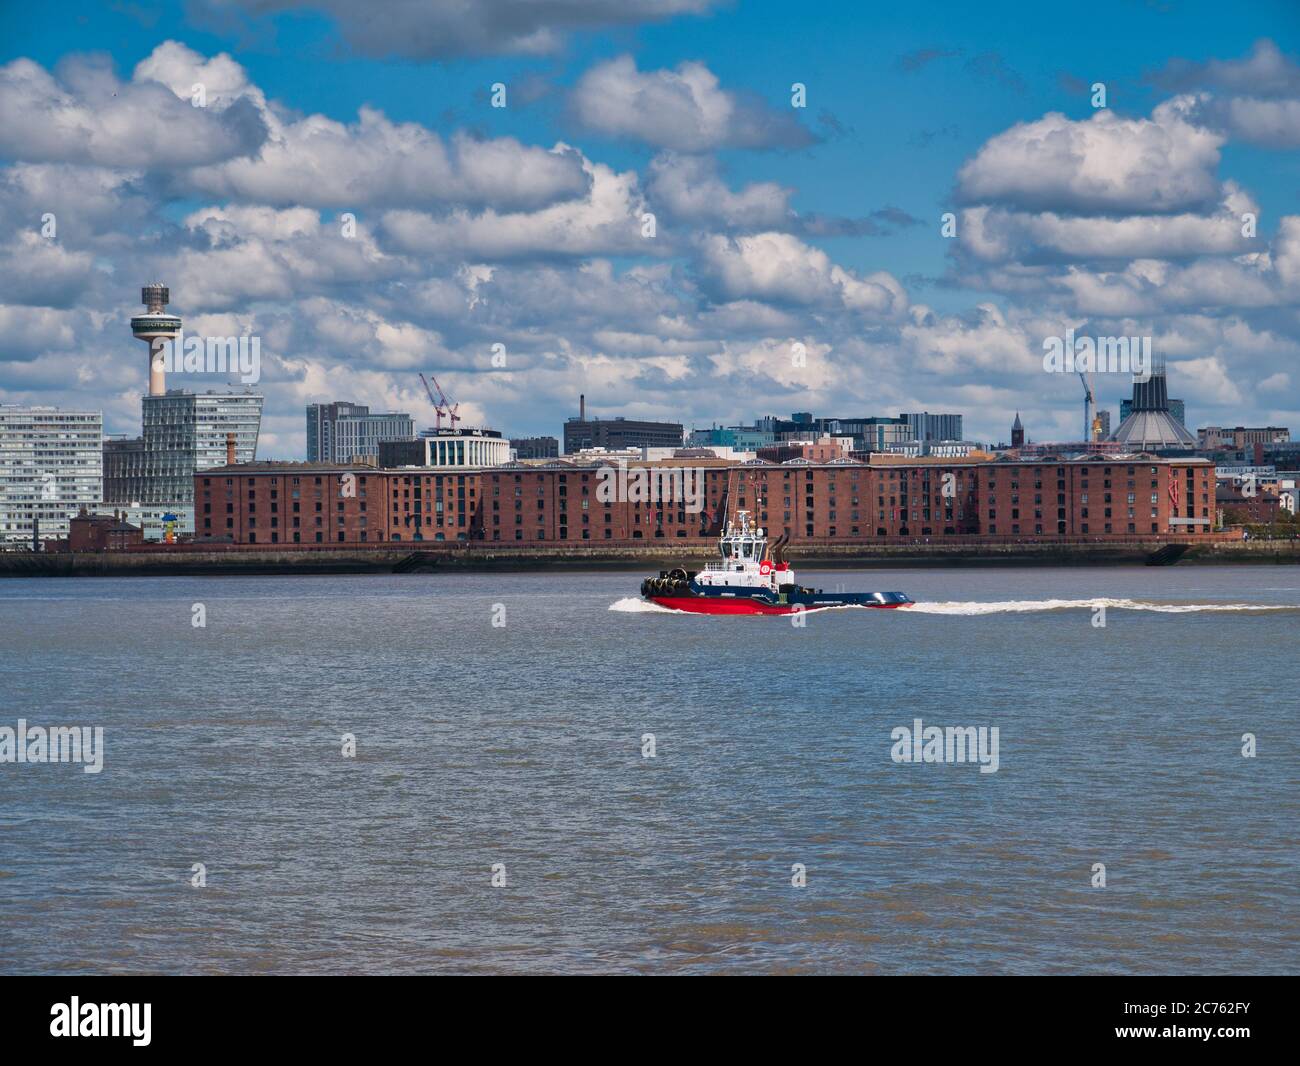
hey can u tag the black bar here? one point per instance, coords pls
(216, 1015)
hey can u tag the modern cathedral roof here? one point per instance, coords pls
(1150, 426)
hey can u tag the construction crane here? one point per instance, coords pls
(437, 407)
(448, 406)
(1088, 401)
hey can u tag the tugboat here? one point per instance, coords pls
(750, 581)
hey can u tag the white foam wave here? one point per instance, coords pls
(633, 605)
(976, 607)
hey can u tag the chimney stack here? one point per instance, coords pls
(230, 449)
(582, 407)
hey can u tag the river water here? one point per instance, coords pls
(520, 752)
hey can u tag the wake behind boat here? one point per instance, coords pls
(750, 581)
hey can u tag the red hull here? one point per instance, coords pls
(739, 605)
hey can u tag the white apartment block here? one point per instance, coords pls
(51, 465)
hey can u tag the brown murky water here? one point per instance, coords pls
(521, 745)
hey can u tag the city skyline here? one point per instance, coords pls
(505, 248)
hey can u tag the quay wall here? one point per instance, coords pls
(351, 559)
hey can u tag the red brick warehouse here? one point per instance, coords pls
(844, 499)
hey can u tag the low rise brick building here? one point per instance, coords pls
(1121, 495)
(1260, 507)
(822, 450)
(319, 503)
(843, 499)
(101, 532)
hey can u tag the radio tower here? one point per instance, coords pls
(154, 326)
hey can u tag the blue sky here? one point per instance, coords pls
(895, 316)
